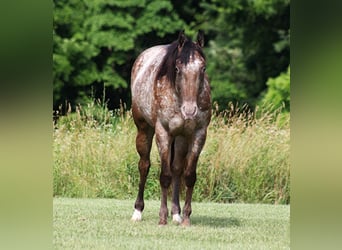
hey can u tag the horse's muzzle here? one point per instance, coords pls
(189, 110)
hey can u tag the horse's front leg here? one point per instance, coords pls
(180, 149)
(190, 171)
(163, 140)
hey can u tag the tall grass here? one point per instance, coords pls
(245, 159)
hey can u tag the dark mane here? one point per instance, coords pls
(167, 67)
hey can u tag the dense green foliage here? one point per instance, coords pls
(278, 92)
(245, 158)
(249, 43)
(95, 44)
(105, 224)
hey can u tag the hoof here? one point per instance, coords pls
(136, 215)
(186, 222)
(176, 218)
(162, 222)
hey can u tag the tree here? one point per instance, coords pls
(95, 43)
(250, 43)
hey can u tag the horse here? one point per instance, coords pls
(171, 99)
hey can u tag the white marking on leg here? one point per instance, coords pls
(136, 215)
(177, 218)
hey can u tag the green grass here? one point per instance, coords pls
(246, 157)
(105, 224)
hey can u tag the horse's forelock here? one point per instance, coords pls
(167, 67)
(188, 50)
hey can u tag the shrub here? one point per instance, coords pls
(278, 91)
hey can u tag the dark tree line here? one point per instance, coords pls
(96, 42)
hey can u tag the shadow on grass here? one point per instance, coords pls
(215, 221)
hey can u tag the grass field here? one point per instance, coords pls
(105, 224)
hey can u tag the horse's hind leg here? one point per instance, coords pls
(143, 145)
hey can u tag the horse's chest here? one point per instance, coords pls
(167, 105)
(166, 101)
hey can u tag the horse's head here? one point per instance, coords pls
(184, 68)
(189, 74)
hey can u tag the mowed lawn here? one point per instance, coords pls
(105, 224)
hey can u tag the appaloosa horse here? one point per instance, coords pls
(171, 98)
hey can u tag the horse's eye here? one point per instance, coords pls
(177, 69)
(203, 69)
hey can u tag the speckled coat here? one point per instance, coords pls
(171, 98)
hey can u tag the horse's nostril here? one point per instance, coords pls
(194, 110)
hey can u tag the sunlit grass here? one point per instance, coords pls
(105, 224)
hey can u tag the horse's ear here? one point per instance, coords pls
(181, 39)
(200, 38)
